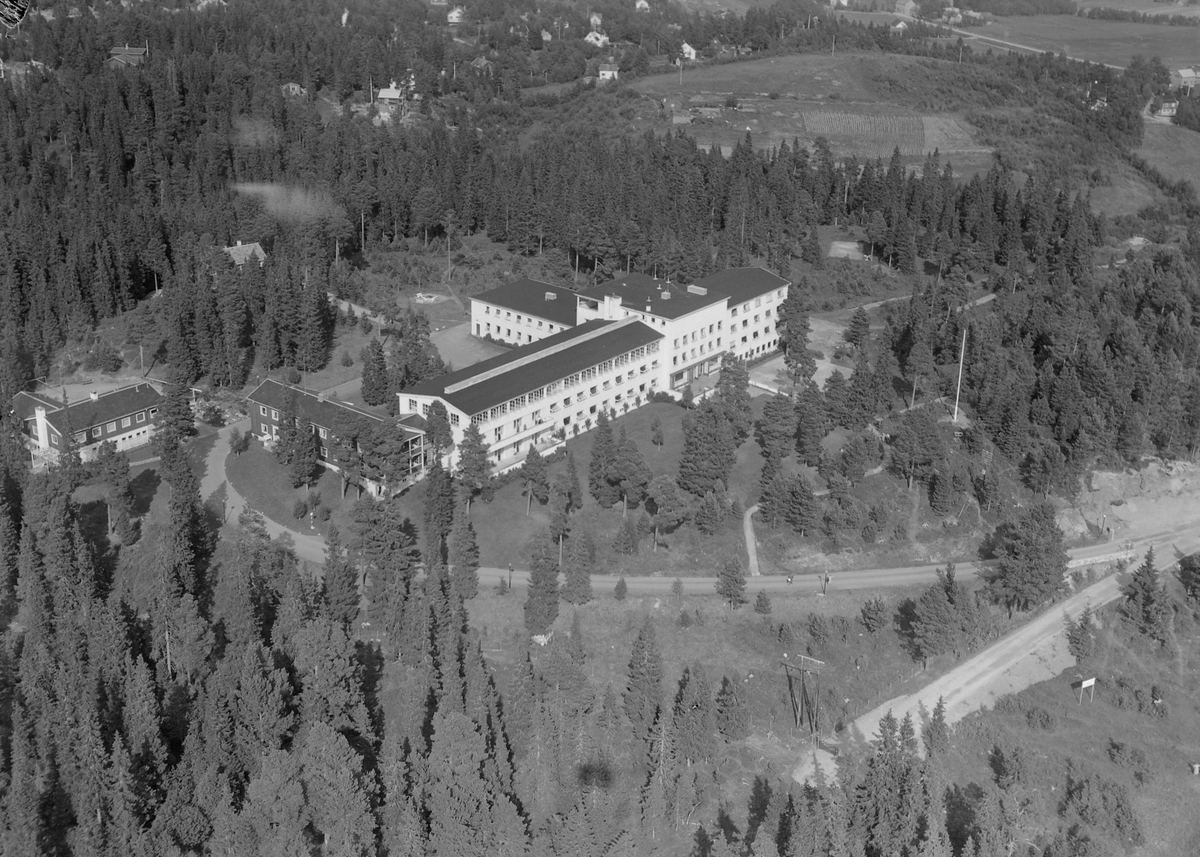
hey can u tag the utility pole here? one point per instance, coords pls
(962, 351)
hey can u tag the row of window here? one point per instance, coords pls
(111, 428)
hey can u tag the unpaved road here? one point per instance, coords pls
(1025, 656)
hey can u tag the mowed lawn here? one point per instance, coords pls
(503, 528)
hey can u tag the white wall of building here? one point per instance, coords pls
(510, 326)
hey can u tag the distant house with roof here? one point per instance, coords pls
(291, 89)
(1184, 78)
(331, 420)
(1169, 107)
(609, 70)
(899, 26)
(522, 311)
(482, 65)
(456, 15)
(242, 253)
(641, 6)
(126, 416)
(127, 57)
(597, 39)
(687, 52)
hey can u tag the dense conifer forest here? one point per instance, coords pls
(225, 705)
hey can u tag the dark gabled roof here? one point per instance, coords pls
(529, 296)
(640, 293)
(105, 408)
(741, 284)
(126, 50)
(624, 335)
(242, 253)
(25, 404)
(313, 408)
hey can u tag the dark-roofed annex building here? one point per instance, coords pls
(407, 456)
(126, 416)
(541, 392)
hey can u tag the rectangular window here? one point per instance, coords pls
(324, 452)
(262, 409)
(676, 345)
(321, 432)
(756, 318)
(539, 325)
(126, 422)
(516, 425)
(508, 315)
(734, 313)
(111, 427)
(767, 313)
(425, 409)
(275, 415)
(141, 418)
(758, 301)
(96, 431)
(454, 419)
(412, 405)
(499, 433)
(266, 429)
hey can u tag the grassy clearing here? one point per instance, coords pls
(1173, 151)
(1165, 801)
(1112, 42)
(841, 98)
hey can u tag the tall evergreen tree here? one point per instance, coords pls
(731, 583)
(709, 451)
(631, 473)
(374, 374)
(1147, 604)
(341, 581)
(439, 511)
(535, 477)
(474, 466)
(644, 687)
(541, 603)
(602, 468)
(464, 559)
(732, 396)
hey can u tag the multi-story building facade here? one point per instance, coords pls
(549, 389)
(126, 416)
(735, 310)
(323, 417)
(523, 311)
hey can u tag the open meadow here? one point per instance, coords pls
(779, 99)
(1173, 151)
(1111, 42)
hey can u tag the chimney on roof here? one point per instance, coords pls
(94, 395)
(666, 295)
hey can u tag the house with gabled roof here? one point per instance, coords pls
(324, 417)
(291, 89)
(609, 70)
(126, 416)
(242, 253)
(127, 57)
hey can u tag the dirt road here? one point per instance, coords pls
(1024, 657)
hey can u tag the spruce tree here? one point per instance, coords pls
(762, 603)
(602, 480)
(709, 514)
(575, 491)
(1189, 575)
(631, 473)
(859, 330)
(709, 451)
(667, 508)
(732, 719)
(626, 541)
(533, 474)
(374, 374)
(803, 511)
(937, 734)
(541, 603)
(577, 586)
(644, 684)
(341, 582)
(464, 559)
(811, 425)
(777, 427)
(620, 589)
(438, 433)
(656, 431)
(1147, 604)
(732, 396)
(439, 511)
(474, 466)
(731, 583)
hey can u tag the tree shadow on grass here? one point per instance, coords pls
(143, 488)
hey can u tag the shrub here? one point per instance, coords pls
(1039, 718)
(1010, 703)
(774, 96)
(324, 514)
(292, 375)
(685, 619)
(818, 629)
(1132, 758)
(875, 615)
(299, 508)
(347, 360)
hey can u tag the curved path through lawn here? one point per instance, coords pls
(307, 547)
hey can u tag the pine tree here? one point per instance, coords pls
(541, 603)
(810, 424)
(656, 431)
(667, 508)
(762, 603)
(438, 433)
(859, 330)
(709, 514)
(626, 541)
(577, 587)
(620, 589)
(644, 685)
(374, 374)
(777, 427)
(1030, 559)
(803, 510)
(341, 581)
(731, 583)
(631, 473)
(464, 559)
(1081, 636)
(602, 468)
(1189, 574)
(575, 491)
(692, 718)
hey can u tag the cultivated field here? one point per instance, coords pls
(804, 97)
(1173, 151)
(1112, 42)
(1145, 7)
